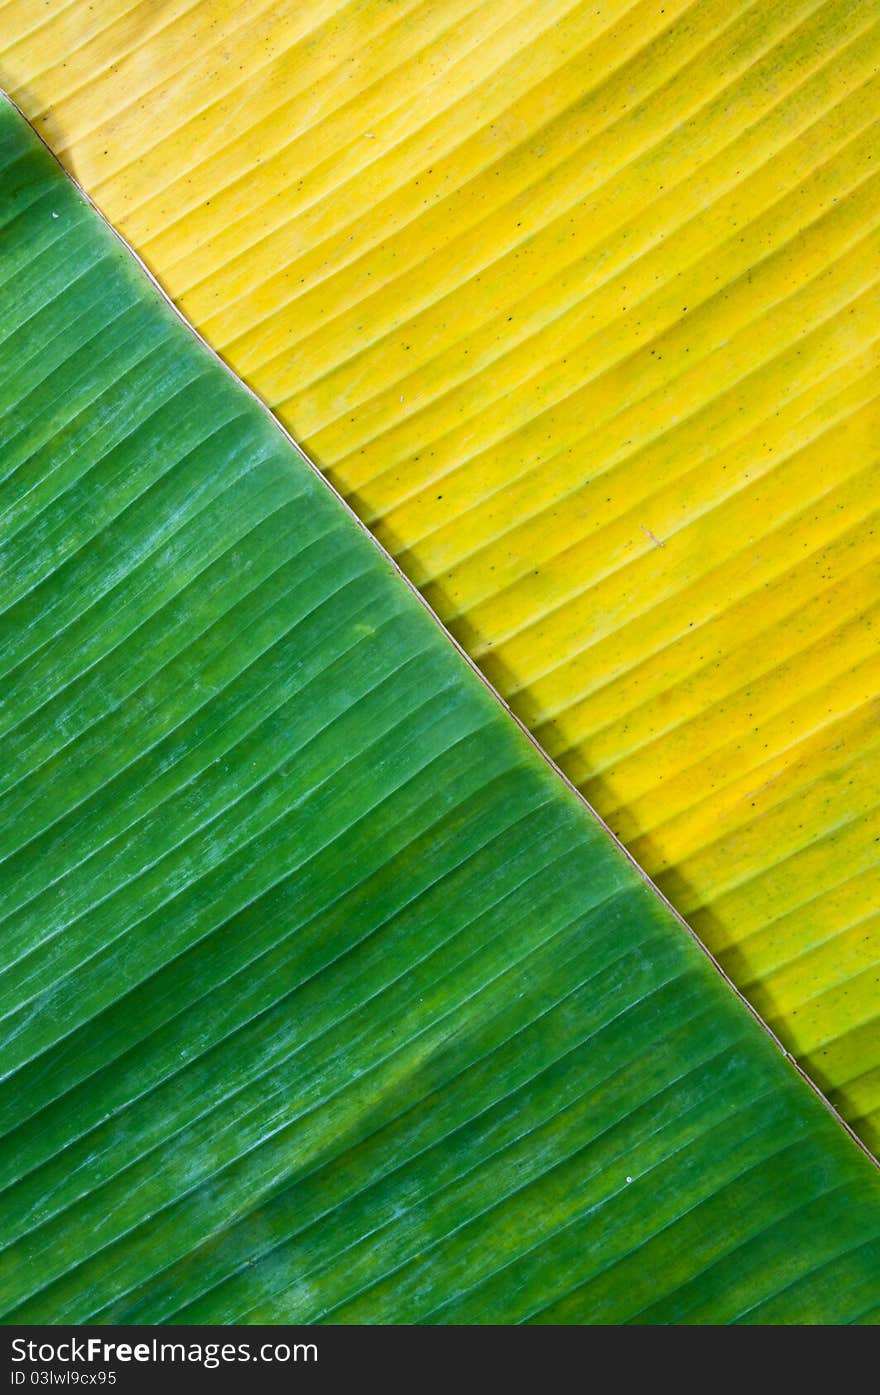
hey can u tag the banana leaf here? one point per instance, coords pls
(577, 306)
(323, 997)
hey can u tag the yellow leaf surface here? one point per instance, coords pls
(577, 304)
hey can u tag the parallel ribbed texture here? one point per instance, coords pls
(577, 304)
(322, 996)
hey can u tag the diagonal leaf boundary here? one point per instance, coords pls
(393, 566)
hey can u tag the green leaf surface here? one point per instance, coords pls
(322, 997)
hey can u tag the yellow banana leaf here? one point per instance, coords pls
(577, 305)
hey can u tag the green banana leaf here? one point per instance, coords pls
(323, 998)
